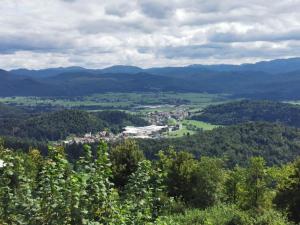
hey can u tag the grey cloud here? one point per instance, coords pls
(120, 8)
(47, 43)
(156, 9)
(254, 35)
(32, 42)
(115, 11)
(69, 0)
(191, 51)
(114, 26)
(221, 51)
(147, 31)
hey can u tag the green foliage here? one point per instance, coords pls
(288, 196)
(175, 189)
(234, 184)
(251, 188)
(143, 194)
(217, 215)
(271, 217)
(53, 191)
(227, 215)
(198, 182)
(16, 195)
(179, 168)
(125, 158)
(53, 188)
(257, 185)
(207, 182)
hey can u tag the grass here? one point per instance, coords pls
(123, 101)
(200, 124)
(190, 127)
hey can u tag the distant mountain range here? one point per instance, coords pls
(274, 67)
(276, 79)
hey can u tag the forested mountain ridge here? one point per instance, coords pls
(13, 85)
(260, 80)
(273, 67)
(249, 110)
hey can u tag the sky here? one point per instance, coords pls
(147, 33)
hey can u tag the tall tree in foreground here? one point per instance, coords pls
(288, 196)
(198, 183)
(125, 158)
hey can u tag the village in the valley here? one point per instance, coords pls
(161, 123)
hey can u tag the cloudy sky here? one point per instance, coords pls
(146, 33)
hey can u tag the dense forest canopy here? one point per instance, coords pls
(276, 143)
(247, 110)
(59, 124)
(175, 189)
(7, 111)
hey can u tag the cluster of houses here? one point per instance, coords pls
(151, 131)
(91, 138)
(161, 118)
(159, 121)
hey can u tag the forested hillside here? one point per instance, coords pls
(7, 111)
(276, 143)
(58, 125)
(247, 110)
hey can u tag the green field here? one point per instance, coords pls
(141, 102)
(189, 127)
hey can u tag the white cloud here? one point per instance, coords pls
(38, 33)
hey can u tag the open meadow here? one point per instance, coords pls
(135, 102)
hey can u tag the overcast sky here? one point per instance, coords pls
(146, 33)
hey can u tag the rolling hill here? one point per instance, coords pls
(246, 111)
(59, 124)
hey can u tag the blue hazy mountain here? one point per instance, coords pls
(122, 69)
(276, 79)
(273, 67)
(46, 72)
